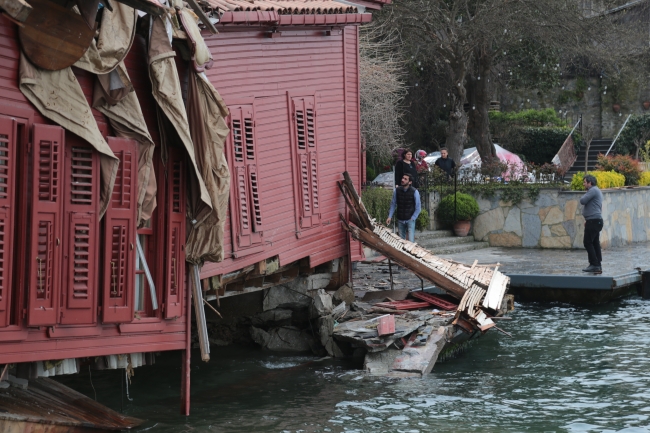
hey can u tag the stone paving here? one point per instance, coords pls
(616, 261)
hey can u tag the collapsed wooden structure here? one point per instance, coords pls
(479, 288)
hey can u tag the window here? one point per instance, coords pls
(246, 219)
(304, 142)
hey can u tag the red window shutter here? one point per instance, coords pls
(175, 266)
(119, 236)
(45, 245)
(7, 194)
(81, 234)
(305, 145)
(246, 208)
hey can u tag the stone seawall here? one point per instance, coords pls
(554, 220)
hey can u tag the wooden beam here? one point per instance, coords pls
(202, 16)
(407, 261)
(150, 7)
(16, 9)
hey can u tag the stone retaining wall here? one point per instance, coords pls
(555, 219)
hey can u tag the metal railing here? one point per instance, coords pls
(617, 135)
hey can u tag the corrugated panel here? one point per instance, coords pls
(255, 66)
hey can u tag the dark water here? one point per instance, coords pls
(567, 369)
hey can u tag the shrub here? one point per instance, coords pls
(370, 173)
(605, 179)
(422, 222)
(623, 164)
(466, 208)
(536, 144)
(637, 128)
(644, 180)
(377, 202)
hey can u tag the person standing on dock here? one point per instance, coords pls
(407, 200)
(592, 211)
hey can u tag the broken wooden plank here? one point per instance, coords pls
(403, 305)
(435, 300)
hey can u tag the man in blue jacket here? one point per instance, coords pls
(592, 211)
(407, 200)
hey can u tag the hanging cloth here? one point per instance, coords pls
(57, 95)
(116, 34)
(166, 90)
(127, 120)
(207, 112)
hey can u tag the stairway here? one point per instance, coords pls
(597, 147)
(445, 242)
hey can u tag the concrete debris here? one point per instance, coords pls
(285, 339)
(339, 310)
(343, 294)
(4, 385)
(322, 305)
(325, 330)
(275, 317)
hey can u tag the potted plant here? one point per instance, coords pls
(459, 209)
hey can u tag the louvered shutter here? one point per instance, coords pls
(305, 145)
(119, 236)
(81, 234)
(175, 257)
(45, 231)
(246, 208)
(7, 194)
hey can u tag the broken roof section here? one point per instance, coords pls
(479, 288)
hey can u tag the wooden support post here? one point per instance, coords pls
(390, 270)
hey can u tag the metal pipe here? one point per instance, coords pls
(152, 288)
(619, 133)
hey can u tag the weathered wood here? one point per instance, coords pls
(356, 200)
(55, 37)
(46, 404)
(202, 16)
(150, 7)
(16, 9)
(409, 262)
(199, 312)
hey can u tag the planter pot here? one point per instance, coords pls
(616, 108)
(461, 228)
(646, 105)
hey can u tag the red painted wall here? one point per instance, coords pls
(252, 68)
(19, 343)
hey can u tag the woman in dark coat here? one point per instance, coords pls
(406, 165)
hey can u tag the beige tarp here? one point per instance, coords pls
(166, 89)
(57, 95)
(116, 35)
(207, 112)
(127, 121)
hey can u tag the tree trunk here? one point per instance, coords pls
(457, 133)
(478, 96)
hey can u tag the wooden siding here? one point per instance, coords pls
(249, 66)
(19, 343)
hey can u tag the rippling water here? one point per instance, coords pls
(566, 369)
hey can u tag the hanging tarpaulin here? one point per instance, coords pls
(116, 34)
(207, 111)
(166, 90)
(57, 95)
(128, 121)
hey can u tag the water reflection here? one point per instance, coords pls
(567, 369)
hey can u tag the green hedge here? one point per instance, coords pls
(377, 203)
(536, 144)
(462, 207)
(604, 179)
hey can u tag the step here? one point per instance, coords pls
(433, 243)
(432, 234)
(460, 248)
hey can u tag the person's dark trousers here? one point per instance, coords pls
(592, 241)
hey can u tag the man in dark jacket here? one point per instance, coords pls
(592, 211)
(407, 200)
(445, 163)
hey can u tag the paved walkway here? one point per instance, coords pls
(616, 261)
